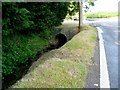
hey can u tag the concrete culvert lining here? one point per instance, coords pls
(61, 39)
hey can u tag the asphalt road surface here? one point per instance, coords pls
(111, 43)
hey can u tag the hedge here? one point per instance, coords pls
(26, 29)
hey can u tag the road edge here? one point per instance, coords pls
(104, 76)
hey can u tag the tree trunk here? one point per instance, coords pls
(80, 13)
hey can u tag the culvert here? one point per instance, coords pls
(62, 37)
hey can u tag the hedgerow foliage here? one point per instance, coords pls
(24, 23)
(32, 16)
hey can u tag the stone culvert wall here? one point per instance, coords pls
(63, 36)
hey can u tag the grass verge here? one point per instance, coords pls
(65, 67)
(101, 14)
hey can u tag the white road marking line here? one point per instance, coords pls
(118, 43)
(104, 76)
(118, 31)
(96, 85)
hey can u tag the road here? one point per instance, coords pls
(111, 44)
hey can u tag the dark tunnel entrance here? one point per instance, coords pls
(61, 39)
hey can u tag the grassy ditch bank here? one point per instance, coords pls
(65, 67)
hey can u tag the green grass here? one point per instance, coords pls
(61, 73)
(101, 14)
(65, 67)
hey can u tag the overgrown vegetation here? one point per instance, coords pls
(27, 27)
(73, 9)
(101, 14)
(65, 67)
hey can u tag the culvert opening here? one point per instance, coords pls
(61, 39)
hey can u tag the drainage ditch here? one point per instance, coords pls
(59, 40)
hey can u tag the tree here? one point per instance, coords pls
(80, 13)
(91, 2)
(74, 6)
